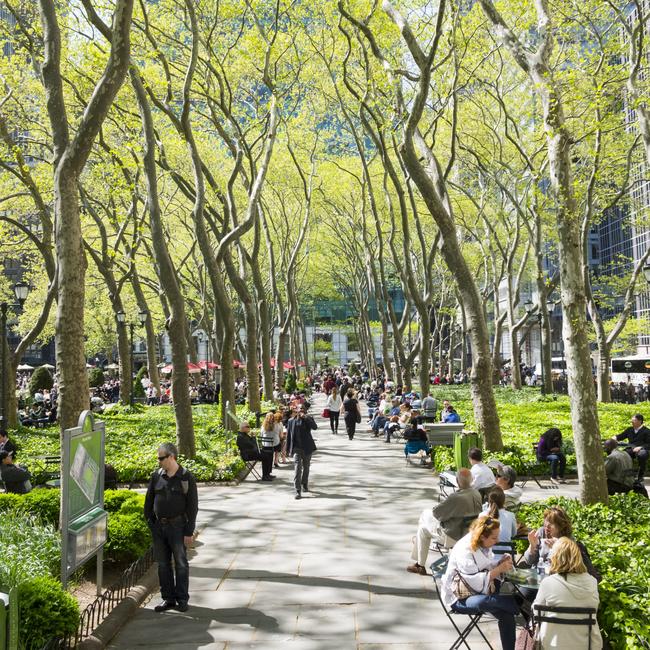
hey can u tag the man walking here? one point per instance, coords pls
(301, 446)
(170, 509)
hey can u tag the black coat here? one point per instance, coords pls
(639, 439)
(299, 435)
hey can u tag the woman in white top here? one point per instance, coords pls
(495, 508)
(473, 559)
(334, 404)
(569, 585)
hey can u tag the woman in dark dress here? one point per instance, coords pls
(352, 413)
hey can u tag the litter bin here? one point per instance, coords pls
(463, 442)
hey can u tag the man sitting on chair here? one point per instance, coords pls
(445, 521)
(482, 476)
(249, 450)
(506, 477)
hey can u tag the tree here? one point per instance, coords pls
(70, 156)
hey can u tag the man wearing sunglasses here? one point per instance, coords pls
(170, 508)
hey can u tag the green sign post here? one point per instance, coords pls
(83, 518)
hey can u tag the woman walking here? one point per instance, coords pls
(352, 413)
(333, 405)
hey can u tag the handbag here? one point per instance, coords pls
(326, 413)
(526, 639)
(358, 418)
(462, 589)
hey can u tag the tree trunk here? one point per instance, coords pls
(177, 322)
(152, 356)
(602, 372)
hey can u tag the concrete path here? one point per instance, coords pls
(327, 571)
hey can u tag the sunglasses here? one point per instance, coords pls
(161, 458)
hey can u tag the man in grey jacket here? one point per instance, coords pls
(446, 522)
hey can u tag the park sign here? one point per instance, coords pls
(83, 518)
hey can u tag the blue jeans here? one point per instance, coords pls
(168, 543)
(554, 459)
(502, 607)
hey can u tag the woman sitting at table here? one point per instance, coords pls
(476, 566)
(495, 507)
(541, 541)
(569, 585)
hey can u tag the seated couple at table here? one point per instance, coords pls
(474, 567)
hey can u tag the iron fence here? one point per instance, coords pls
(104, 604)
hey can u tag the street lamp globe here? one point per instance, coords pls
(21, 289)
(550, 306)
(121, 316)
(143, 317)
(528, 306)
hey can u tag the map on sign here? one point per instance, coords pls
(85, 472)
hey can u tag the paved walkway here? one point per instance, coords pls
(327, 571)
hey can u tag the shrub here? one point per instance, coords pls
(41, 380)
(138, 390)
(96, 378)
(46, 611)
(290, 383)
(128, 536)
(29, 548)
(43, 504)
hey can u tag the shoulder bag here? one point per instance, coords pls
(462, 589)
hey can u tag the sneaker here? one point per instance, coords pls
(164, 606)
(417, 568)
(268, 478)
(297, 496)
(182, 606)
(305, 488)
(562, 480)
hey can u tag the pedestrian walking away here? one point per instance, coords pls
(170, 508)
(301, 445)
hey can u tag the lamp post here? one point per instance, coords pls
(21, 291)
(121, 318)
(528, 306)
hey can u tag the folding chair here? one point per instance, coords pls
(438, 569)
(576, 616)
(250, 466)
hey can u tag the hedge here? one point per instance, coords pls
(616, 537)
(128, 533)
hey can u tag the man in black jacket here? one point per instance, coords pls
(249, 450)
(638, 436)
(301, 446)
(170, 508)
(6, 444)
(16, 479)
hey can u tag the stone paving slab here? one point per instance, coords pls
(326, 571)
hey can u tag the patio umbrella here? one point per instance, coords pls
(25, 366)
(49, 366)
(192, 368)
(112, 366)
(208, 365)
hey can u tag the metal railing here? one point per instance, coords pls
(93, 615)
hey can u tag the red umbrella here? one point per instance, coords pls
(287, 365)
(191, 368)
(207, 365)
